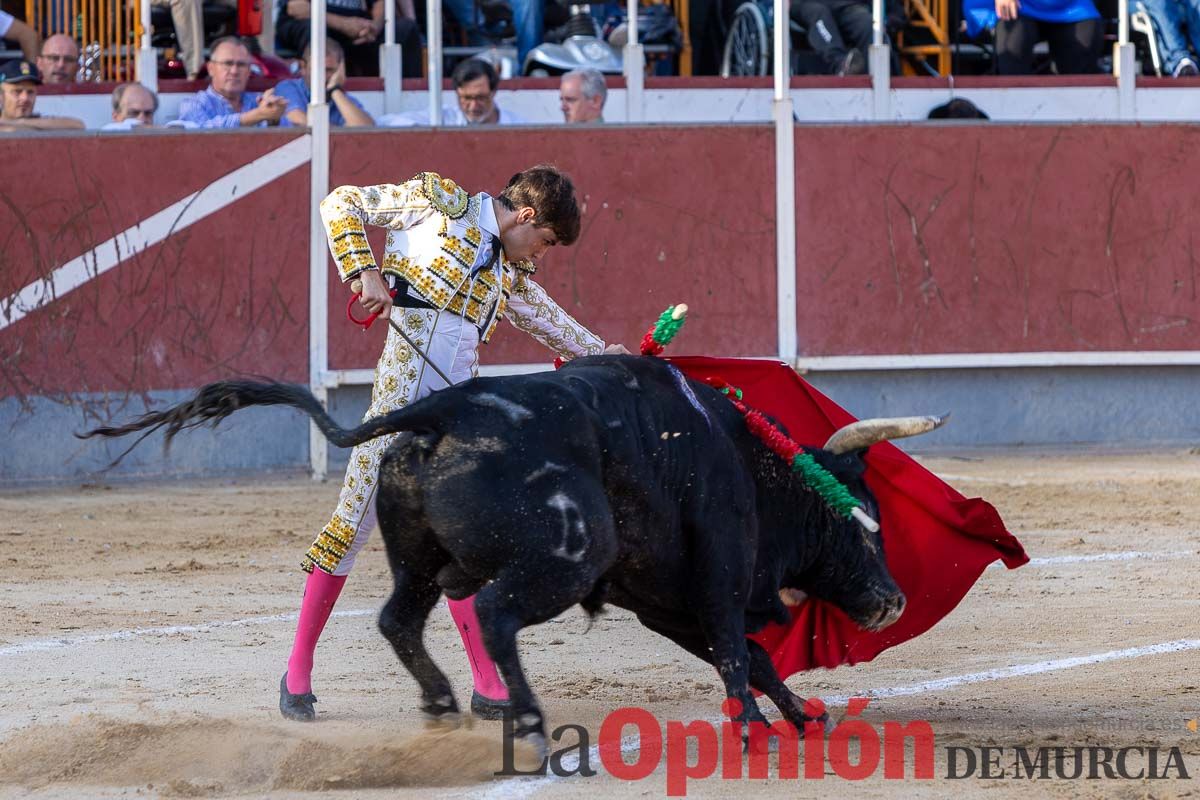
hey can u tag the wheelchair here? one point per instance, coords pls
(750, 32)
(748, 38)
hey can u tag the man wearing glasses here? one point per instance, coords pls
(226, 103)
(59, 61)
(475, 83)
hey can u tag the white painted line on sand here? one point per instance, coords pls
(43, 645)
(1128, 555)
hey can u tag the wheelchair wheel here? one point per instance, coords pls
(748, 44)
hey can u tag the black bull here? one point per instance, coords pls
(615, 479)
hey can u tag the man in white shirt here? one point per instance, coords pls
(133, 106)
(475, 83)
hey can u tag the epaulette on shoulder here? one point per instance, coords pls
(445, 195)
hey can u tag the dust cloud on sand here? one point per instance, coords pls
(208, 757)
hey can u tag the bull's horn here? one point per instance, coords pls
(864, 433)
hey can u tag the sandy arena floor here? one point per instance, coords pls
(146, 628)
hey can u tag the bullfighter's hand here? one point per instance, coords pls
(616, 350)
(375, 294)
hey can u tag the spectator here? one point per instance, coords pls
(133, 106)
(18, 93)
(581, 96)
(344, 109)
(1073, 29)
(958, 108)
(357, 25)
(25, 37)
(59, 61)
(1169, 18)
(187, 17)
(226, 103)
(475, 84)
(839, 32)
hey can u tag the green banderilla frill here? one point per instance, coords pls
(667, 326)
(823, 482)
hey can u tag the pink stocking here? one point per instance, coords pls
(320, 593)
(483, 669)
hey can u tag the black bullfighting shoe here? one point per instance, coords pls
(296, 706)
(487, 708)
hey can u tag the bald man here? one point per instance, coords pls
(133, 106)
(59, 61)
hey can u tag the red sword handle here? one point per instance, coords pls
(357, 287)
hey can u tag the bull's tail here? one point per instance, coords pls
(217, 401)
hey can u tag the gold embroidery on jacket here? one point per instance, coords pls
(549, 324)
(446, 195)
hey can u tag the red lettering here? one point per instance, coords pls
(649, 751)
(894, 735)
(814, 741)
(731, 740)
(678, 768)
(868, 744)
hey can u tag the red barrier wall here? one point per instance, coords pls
(981, 238)
(672, 214)
(226, 295)
(911, 239)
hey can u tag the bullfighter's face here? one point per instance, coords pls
(525, 241)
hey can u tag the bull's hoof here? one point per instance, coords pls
(487, 708)
(826, 722)
(451, 721)
(536, 743)
(296, 706)
(442, 713)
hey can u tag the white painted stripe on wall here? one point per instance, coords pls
(1105, 358)
(359, 377)
(155, 228)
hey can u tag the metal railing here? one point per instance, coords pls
(107, 32)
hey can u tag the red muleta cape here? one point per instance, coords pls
(937, 542)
